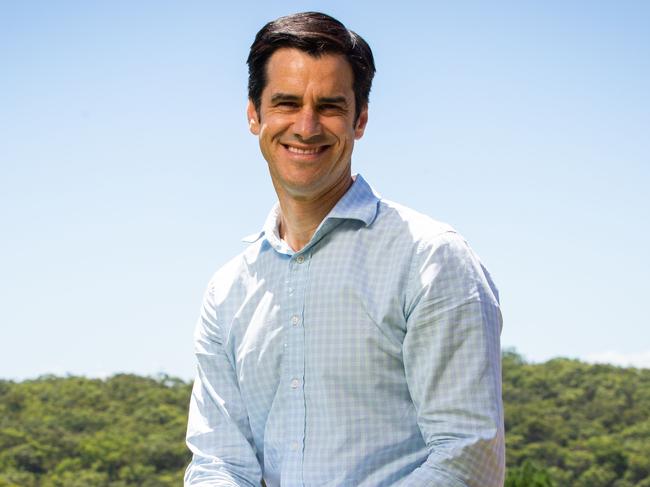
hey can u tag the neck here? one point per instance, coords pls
(300, 216)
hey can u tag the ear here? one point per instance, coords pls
(253, 119)
(360, 125)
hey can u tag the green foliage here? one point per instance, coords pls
(77, 432)
(567, 424)
(575, 424)
(528, 475)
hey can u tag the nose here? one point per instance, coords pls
(307, 124)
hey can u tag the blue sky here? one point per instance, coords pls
(128, 173)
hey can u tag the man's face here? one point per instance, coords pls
(306, 124)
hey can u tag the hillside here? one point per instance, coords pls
(568, 424)
(588, 425)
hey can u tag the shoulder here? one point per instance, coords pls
(440, 257)
(232, 277)
(430, 240)
(419, 228)
(226, 289)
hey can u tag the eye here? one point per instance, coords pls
(287, 104)
(331, 108)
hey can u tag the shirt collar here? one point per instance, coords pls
(358, 203)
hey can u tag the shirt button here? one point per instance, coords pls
(295, 383)
(294, 445)
(300, 259)
(295, 320)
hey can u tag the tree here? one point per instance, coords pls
(528, 475)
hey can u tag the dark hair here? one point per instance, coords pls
(316, 34)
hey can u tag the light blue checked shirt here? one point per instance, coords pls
(370, 358)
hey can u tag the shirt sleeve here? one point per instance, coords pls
(452, 361)
(218, 433)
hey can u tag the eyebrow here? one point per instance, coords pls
(280, 97)
(333, 99)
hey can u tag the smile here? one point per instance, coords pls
(306, 152)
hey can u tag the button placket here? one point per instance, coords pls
(295, 361)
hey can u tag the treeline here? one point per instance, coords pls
(583, 425)
(77, 432)
(567, 424)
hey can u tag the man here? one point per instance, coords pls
(354, 342)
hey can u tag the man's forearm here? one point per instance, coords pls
(449, 471)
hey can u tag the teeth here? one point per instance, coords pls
(297, 150)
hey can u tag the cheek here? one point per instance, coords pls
(269, 145)
(347, 137)
(341, 130)
(265, 135)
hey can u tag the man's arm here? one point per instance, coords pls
(452, 361)
(218, 432)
